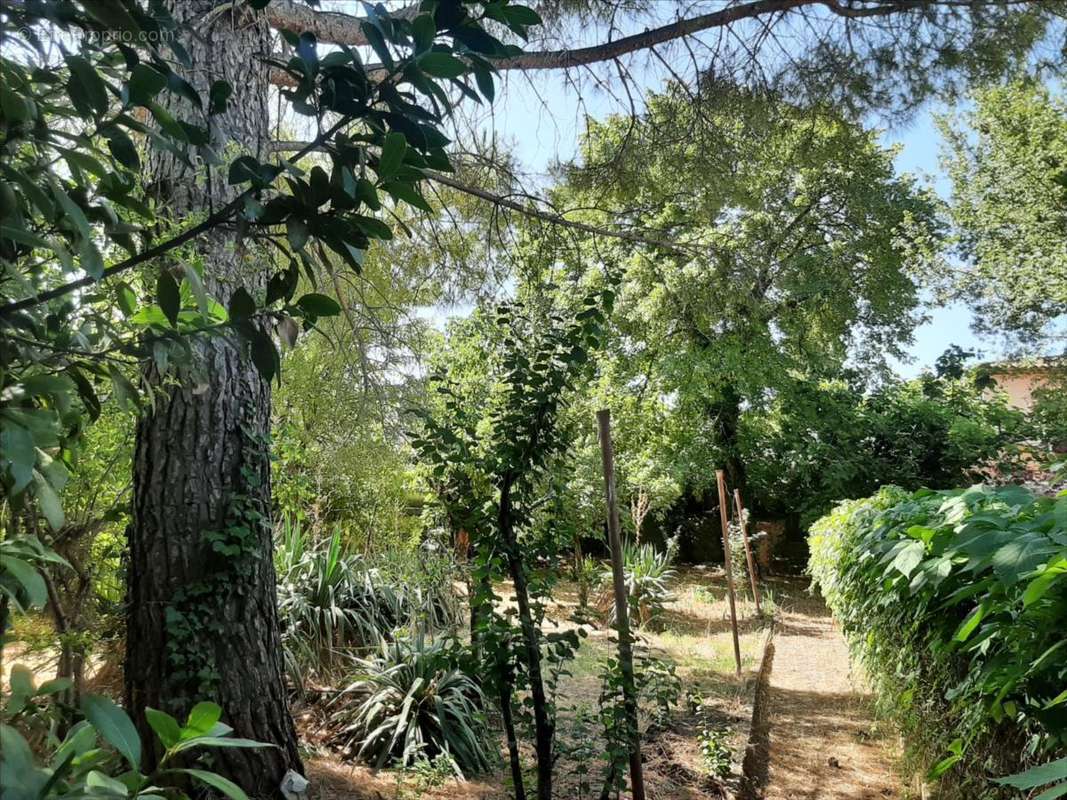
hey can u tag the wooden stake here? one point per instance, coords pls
(748, 548)
(622, 608)
(724, 516)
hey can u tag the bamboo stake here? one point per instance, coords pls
(724, 516)
(622, 611)
(748, 548)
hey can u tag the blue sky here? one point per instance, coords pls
(540, 117)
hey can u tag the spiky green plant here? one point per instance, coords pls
(410, 701)
(649, 573)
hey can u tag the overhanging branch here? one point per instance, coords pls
(522, 208)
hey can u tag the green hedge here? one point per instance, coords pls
(955, 602)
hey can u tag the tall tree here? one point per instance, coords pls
(201, 596)
(197, 167)
(794, 242)
(1007, 159)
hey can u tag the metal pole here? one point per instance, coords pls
(748, 548)
(622, 610)
(724, 516)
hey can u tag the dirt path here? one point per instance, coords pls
(821, 737)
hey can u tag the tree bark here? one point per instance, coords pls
(202, 612)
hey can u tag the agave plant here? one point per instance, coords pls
(648, 574)
(328, 600)
(411, 701)
(332, 601)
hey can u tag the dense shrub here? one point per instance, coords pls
(412, 701)
(955, 602)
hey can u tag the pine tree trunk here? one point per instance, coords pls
(202, 618)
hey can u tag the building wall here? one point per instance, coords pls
(1019, 386)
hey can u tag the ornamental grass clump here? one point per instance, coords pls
(956, 602)
(412, 701)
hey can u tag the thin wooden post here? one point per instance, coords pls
(724, 516)
(622, 608)
(748, 548)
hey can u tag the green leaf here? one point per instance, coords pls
(424, 30)
(105, 785)
(242, 306)
(392, 156)
(1037, 776)
(28, 577)
(86, 87)
(201, 719)
(113, 724)
(70, 208)
(227, 787)
(196, 286)
(168, 296)
(21, 681)
(218, 97)
(407, 193)
(296, 230)
(51, 506)
(1021, 556)
(521, 15)
(122, 148)
(17, 447)
(441, 65)
(217, 741)
(318, 305)
(165, 726)
(145, 83)
(908, 558)
(971, 621)
(14, 107)
(265, 355)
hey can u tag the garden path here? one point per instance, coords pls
(821, 737)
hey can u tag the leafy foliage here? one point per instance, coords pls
(413, 701)
(79, 308)
(953, 602)
(332, 601)
(76, 765)
(1007, 158)
(832, 439)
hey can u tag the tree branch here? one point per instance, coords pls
(340, 28)
(334, 27)
(525, 209)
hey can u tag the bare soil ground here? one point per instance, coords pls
(824, 743)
